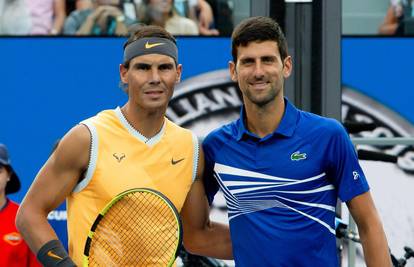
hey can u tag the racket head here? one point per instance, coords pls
(138, 227)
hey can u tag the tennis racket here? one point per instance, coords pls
(139, 227)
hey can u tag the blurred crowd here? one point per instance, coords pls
(114, 17)
(399, 19)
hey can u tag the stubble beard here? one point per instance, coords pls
(262, 101)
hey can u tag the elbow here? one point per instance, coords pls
(192, 250)
(189, 248)
(23, 219)
(20, 219)
(190, 245)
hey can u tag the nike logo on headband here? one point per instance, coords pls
(148, 45)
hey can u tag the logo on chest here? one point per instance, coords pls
(119, 156)
(173, 162)
(13, 238)
(296, 156)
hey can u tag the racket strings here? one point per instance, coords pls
(140, 230)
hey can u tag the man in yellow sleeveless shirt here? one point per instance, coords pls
(131, 146)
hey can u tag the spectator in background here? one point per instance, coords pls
(47, 16)
(201, 12)
(399, 19)
(14, 17)
(162, 13)
(14, 250)
(83, 4)
(223, 16)
(72, 5)
(103, 17)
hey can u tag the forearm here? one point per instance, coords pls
(59, 16)
(58, 24)
(375, 246)
(34, 228)
(388, 29)
(86, 27)
(212, 241)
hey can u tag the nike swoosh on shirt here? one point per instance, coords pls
(173, 162)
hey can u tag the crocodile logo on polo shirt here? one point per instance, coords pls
(296, 156)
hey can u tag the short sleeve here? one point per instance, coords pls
(344, 169)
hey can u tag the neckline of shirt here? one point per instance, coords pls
(148, 141)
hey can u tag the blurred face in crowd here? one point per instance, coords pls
(108, 2)
(161, 6)
(4, 178)
(151, 79)
(260, 72)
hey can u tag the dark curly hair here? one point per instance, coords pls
(258, 29)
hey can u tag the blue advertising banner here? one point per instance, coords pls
(382, 69)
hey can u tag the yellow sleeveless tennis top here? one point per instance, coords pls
(120, 159)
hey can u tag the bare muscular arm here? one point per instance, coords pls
(373, 238)
(53, 183)
(202, 236)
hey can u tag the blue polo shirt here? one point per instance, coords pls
(281, 190)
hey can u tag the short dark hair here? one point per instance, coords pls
(145, 31)
(258, 29)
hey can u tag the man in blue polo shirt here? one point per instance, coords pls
(282, 169)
